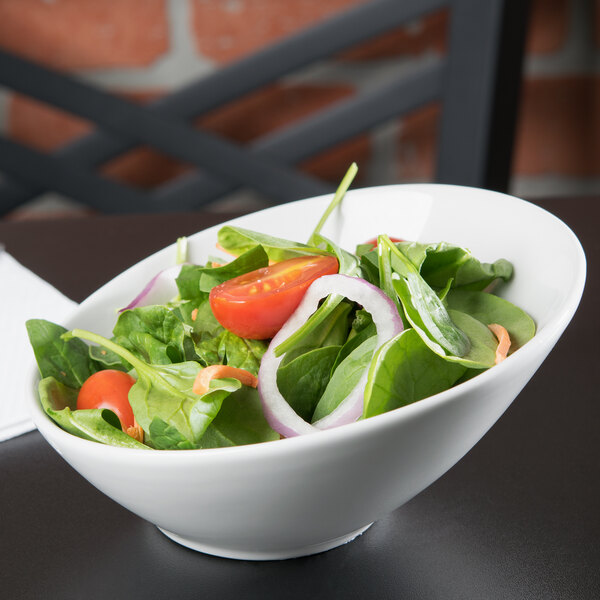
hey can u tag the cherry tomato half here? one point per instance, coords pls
(108, 389)
(373, 241)
(257, 304)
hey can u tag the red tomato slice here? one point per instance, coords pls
(108, 389)
(373, 241)
(257, 304)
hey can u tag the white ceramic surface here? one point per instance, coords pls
(307, 494)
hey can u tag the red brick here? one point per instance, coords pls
(46, 128)
(548, 26)
(226, 31)
(85, 34)
(332, 165)
(428, 34)
(41, 126)
(271, 108)
(279, 105)
(559, 127)
(418, 144)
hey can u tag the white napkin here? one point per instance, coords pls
(23, 295)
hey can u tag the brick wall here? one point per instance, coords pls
(144, 48)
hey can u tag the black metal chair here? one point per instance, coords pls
(477, 83)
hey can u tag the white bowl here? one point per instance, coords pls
(307, 494)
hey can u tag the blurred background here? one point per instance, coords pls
(143, 49)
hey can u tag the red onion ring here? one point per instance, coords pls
(160, 289)
(279, 414)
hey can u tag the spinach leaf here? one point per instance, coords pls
(168, 437)
(427, 314)
(483, 343)
(194, 280)
(405, 370)
(240, 421)
(369, 266)
(422, 306)
(345, 378)
(237, 240)
(188, 283)
(489, 309)
(303, 380)
(353, 342)
(165, 391)
(348, 265)
(153, 333)
(333, 331)
(214, 345)
(440, 262)
(97, 425)
(67, 361)
(240, 352)
(107, 359)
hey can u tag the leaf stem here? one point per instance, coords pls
(337, 198)
(182, 250)
(106, 343)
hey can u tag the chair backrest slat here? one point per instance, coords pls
(476, 84)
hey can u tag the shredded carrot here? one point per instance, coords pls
(205, 376)
(219, 247)
(194, 314)
(136, 432)
(503, 341)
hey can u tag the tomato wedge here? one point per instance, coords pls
(257, 304)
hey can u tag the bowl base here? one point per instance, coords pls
(265, 555)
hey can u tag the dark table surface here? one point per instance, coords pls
(518, 517)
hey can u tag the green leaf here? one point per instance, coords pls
(489, 309)
(153, 333)
(240, 352)
(188, 283)
(67, 361)
(332, 331)
(107, 359)
(345, 378)
(348, 263)
(303, 380)
(404, 370)
(237, 240)
(422, 306)
(354, 340)
(97, 425)
(440, 262)
(167, 437)
(240, 421)
(427, 314)
(193, 280)
(483, 343)
(369, 266)
(253, 259)
(165, 391)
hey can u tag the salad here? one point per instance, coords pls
(285, 338)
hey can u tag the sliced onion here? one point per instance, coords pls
(160, 289)
(279, 414)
